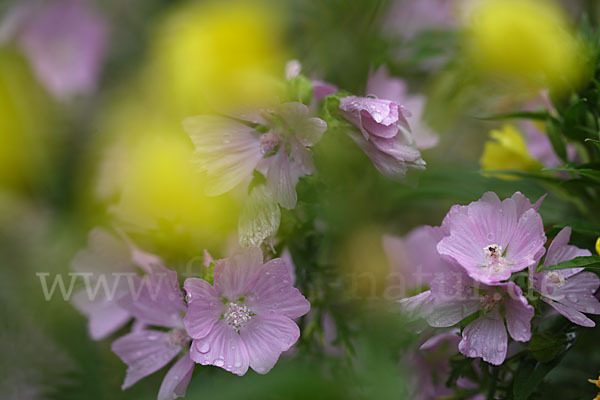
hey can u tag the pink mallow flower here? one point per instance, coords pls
(65, 42)
(384, 86)
(275, 142)
(107, 265)
(384, 134)
(568, 291)
(454, 296)
(490, 239)
(156, 300)
(246, 318)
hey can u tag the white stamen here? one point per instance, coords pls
(237, 315)
(494, 258)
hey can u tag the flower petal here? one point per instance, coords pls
(560, 250)
(235, 274)
(177, 379)
(308, 130)
(281, 180)
(156, 299)
(266, 337)
(104, 316)
(518, 314)
(578, 293)
(571, 314)
(204, 307)
(223, 347)
(486, 338)
(226, 149)
(144, 352)
(273, 292)
(527, 242)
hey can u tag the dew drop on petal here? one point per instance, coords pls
(205, 348)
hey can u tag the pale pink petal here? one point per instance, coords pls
(273, 292)
(105, 253)
(322, 89)
(486, 338)
(578, 293)
(523, 204)
(518, 314)
(178, 378)
(281, 181)
(144, 352)
(560, 250)
(226, 149)
(156, 299)
(104, 317)
(223, 347)
(235, 274)
(307, 130)
(266, 337)
(204, 307)
(527, 242)
(571, 314)
(449, 313)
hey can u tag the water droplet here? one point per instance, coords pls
(490, 236)
(219, 362)
(573, 298)
(205, 348)
(589, 310)
(237, 364)
(501, 347)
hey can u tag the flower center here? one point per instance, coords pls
(177, 337)
(494, 258)
(489, 301)
(269, 143)
(237, 315)
(556, 278)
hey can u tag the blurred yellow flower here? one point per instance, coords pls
(507, 150)
(23, 150)
(598, 246)
(218, 55)
(146, 165)
(529, 40)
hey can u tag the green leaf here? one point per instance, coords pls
(577, 262)
(545, 347)
(534, 115)
(596, 142)
(530, 374)
(592, 174)
(584, 228)
(556, 139)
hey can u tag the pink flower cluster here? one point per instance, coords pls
(468, 263)
(244, 317)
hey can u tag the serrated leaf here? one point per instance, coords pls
(577, 262)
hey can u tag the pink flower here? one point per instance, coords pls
(491, 239)
(454, 296)
(156, 300)
(568, 291)
(65, 42)
(384, 134)
(274, 142)
(246, 318)
(382, 85)
(107, 262)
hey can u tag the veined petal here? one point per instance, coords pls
(486, 338)
(226, 149)
(273, 292)
(571, 314)
(281, 180)
(518, 314)
(144, 352)
(204, 307)
(234, 275)
(104, 316)
(308, 130)
(560, 250)
(266, 337)
(223, 347)
(177, 379)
